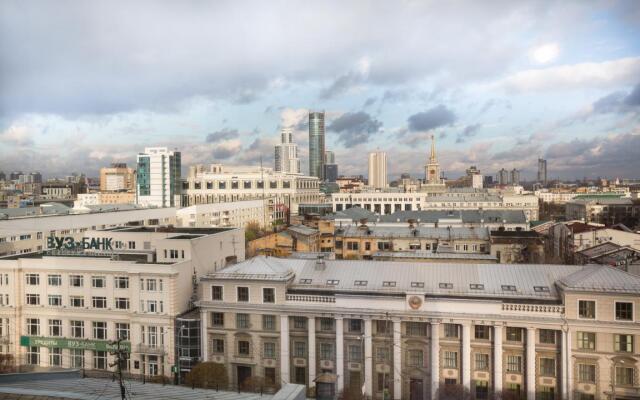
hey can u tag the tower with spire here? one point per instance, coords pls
(432, 169)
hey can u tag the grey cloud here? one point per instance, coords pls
(467, 132)
(369, 102)
(341, 85)
(354, 128)
(433, 118)
(224, 134)
(222, 153)
(618, 102)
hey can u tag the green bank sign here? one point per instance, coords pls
(60, 343)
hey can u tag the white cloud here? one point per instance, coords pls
(546, 53)
(16, 135)
(608, 74)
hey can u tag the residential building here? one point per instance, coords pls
(216, 183)
(517, 247)
(626, 258)
(378, 169)
(316, 144)
(286, 153)
(97, 198)
(230, 214)
(604, 210)
(117, 178)
(474, 177)
(514, 176)
(542, 171)
(411, 329)
(65, 307)
(503, 177)
(158, 177)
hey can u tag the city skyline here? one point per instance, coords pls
(563, 85)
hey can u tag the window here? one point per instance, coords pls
(122, 303)
(77, 329)
(586, 340)
(217, 319)
(389, 284)
(305, 281)
(152, 285)
(482, 361)
(546, 393)
(355, 352)
(416, 329)
(76, 301)
(216, 293)
(99, 302)
(382, 354)
(269, 350)
(243, 294)
(326, 351)
(384, 246)
(77, 358)
(326, 324)
(243, 348)
(482, 332)
(132, 245)
(32, 279)
(514, 363)
(383, 327)
(100, 359)
(514, 334)
(299, 323)
(451, 331)
(450, 359)
(624, 376)
(624, 311)
(299, 349)
(33, 355)
(476, 286)
(547, 367)
(352, 245)
(508, 288)
(122, 331)
(445, 285)
(76, 280)
(482, 390)
(587, 373)
(121, 282)
(33, 299)
(417, 284)
(242, 321)
(333, 282)
(270, 376)
(300, 375)
(55, 327)
(98, 281)
(55, 300)
(416, 358)
(623, 343)
(99, 330)
(218, 345)
(547, 336)
(55, 280)
(586, 309)
(360, 283)
(355, 325)
(268, 295)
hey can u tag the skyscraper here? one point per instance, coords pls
(330, 166)
(542, 171)
(503, 177)
(316, 144)
(515, 177)
(286, 156)
(158, 177)
(329, 157)
(378, 169)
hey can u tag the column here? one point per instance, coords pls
(497, 358)
(284, 349)
(311, 325)
(204, 337)
(567, 387)
(368, 358)
(531, 363)
(397, 360)
(435, 359)
(340, 354)
(466, 355)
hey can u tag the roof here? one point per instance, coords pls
(355, 214)
(601, 278)
(467, 216)
(419, 232)
(516, 234)
(599, 249)
(302, 230)
(603, 201)
(43, 209)
(433, 256)
(258, 268)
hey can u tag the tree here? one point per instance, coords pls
(208, 375)
(252, 231)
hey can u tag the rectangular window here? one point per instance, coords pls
(243, 294)
(99, 302)
(121, 282)
(55, 327)
(98, 282)
(55, 357)
(100, 360)
(514, 334)
(218, 345)
(152, 285)
(269, 350)
(269, 322)
(355, 325)
(33, 355)
(242, 321)
(352, 245)
(32, 279)
(546, 393)
(270, 376)
(99, 330)
(624, 376)
(382, 354)
(77, 329)
(482, 362)
(416, 329)
(122, 331)
(587, 340)
(299, 349)
(355, 352)
(587, 373)
(547, 367)
(55, 300)
(152, 306)
(300, 375)
(416, 358)
(326, 351)
(122, 303)
(482, 390)
(450, 359)
(33, 299)
(623, 343)
(55, 280)
(76, 301)
(326, 324)
(384, 327)
(547, 336)
(76, 280)
(624, 311)
(268, 295)
(451, 331)
(217, 319)
(482, 332)
(216, 293)
(243, 348)
(587, 309)
(77, 358)
(514, 364)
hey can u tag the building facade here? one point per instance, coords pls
(286, 153)
(378, 169)
(117, 178)
(316, 144)
(158, 177)
(527, 331)
(542, 171)
(93, 199)
(232, 214)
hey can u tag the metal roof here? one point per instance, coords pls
(467, 216)
(419, 232)
(431, 255)
(602, 278)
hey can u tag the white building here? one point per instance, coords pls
(158, 179)
(378, 169)
(286, 153)
(64, 307)
(233, 214)
(216, 183)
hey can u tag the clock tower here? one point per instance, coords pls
(432, 169)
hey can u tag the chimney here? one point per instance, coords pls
(320, 265)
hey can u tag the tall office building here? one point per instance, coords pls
(158, 178)
(316, 144)
(117, 178)
(515, 177)
(503, 177)
(378, 169)
(542, 171)
(286, 153)
(329, 157)
(330, 166)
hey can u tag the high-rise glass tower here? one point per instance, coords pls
(158, 177)
(542, 171)
(316, 144)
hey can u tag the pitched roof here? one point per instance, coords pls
(601, 278)
(257, 268)
(420, 232)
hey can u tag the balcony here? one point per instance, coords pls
(147, 349)
(309, 298)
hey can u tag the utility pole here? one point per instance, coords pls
(121, 356)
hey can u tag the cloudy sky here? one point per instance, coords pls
(86, 83)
